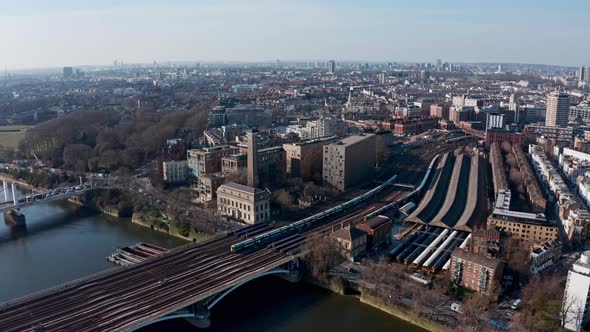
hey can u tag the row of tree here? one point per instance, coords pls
(98, 140)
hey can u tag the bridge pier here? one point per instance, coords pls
(15, 218)
(5, 187)
(201, 317)
(14, 200)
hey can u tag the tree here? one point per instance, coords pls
(322, 255)
(473, 309)
(517, 256)
(541, 310)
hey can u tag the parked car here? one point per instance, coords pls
(516, 304)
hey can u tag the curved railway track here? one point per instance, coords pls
(125, 297)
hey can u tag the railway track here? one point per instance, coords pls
(126, 297)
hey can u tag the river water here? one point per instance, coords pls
(65, 242)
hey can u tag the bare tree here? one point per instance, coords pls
(473, 310)
(323, 255)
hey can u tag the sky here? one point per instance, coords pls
(43, 33)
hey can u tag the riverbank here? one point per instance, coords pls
(402, 313)
(340, 287)
(111, 211)
(20, 183)
(165, 226)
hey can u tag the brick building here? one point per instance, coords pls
(351, 242)
(475, 271)
(501, 135)
(414, 126)
(207, 160)
(378, 231)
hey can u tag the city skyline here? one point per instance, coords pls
(96, 33)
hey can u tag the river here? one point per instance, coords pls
(65, 242)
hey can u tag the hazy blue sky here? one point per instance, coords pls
(42, 33)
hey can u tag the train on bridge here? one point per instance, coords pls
(309, 221)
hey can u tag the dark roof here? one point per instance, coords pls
(375, 221)
(478, 259)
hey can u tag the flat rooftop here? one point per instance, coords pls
(242, 188)
(352, 139)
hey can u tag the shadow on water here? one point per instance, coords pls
(270, 304)
(64, 216)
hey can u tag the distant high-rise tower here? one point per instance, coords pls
(513, 102)
(331, 66)
(438, 63)
(558, 109)
(381, 78)
(582, 74)
(252, 176)
(513, 107)
(68, 72)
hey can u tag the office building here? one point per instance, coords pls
(494, 121)
(558, 109)
(349, 161)
(582, 74)
(575, 305)
(68, 72)
(250, 205)
(381, 78)
(331, 66)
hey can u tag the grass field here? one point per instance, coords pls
(10, 136)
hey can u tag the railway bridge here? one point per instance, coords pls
(187, 282)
